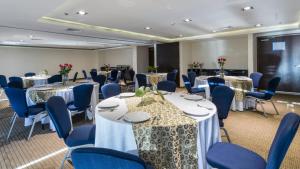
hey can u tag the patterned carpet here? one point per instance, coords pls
(46, 150)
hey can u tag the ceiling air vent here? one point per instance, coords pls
(72, 30)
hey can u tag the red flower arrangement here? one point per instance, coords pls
(221, 61)
(65, 68)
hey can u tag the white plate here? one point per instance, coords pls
(127, 94)
(196, 112)
(108, 104)
(43, 88)
(162, 92)
(193, 97)
(136, 117)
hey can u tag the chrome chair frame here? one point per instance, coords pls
(261, 102)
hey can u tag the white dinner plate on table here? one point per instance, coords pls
(162, 92)
(193, 97)
(43, 88)
(127, 94)
(108, 104)
(137, 117)
(196, 112)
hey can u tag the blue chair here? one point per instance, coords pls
(214, 82)
(83, 135)
(171, 76)
(142, 80)
(110, 90)
(113, 76)
(101, 158)
(189, 88)
(256, 77)
(93, 75)
(100, 79)
(84, 74)
(55, 79)
(175, 71)
(231, 156)
(15, 82)
(75, 77)
(17, 99)
(166, 85)
(29, 74)
(192, 76)
(93, 70)
(222, 97)
(82, 99)
(261, 97)
(129, 79)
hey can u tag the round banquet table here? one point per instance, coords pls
(157, 141)
(240, 84)
(153, 78)
(41, 94)
(35, 80)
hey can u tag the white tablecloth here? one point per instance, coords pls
(118, 135)
(67, 95)
(201, 81)
(162, 75)
(35, 80)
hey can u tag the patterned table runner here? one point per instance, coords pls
(169, 142)
(155, 78)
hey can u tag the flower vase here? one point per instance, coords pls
(65, 79)
(222, 74)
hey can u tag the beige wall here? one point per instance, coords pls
(235, 49)
(117, 56)
(15, 61)
(185, 58)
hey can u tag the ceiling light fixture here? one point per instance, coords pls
(148, 28)
(214, 31)
(247, 8)
(228, 27)
(82, 12)
(187, 20)
(258, 25)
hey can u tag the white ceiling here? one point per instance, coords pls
(128, 18)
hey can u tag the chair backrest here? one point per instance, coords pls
(3, 81)
(132, 73)
(59, 114)
(101, 158)
(93, 70)
(84, 74)
(29, 74)
(256, 77)
(272, 86)
(75, 77)
(214, 82)
(282, 140)
(15, 82)
(101, 79)
(17, 99)
(175, 71)
(110, 90)
(187, 83)
(114, 74)
(222, 97)
(93, 75)
(54, 79)
(82, 95)
(171, 76)
(127, 76)
(141, 79)
(192, 76)
(166, 85)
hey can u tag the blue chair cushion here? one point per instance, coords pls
(231, 156)
(197, 90)
(258, 95)
(81, 135)
(36, 109)
(72, 107)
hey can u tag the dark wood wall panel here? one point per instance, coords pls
(282, 63)
(168, 57)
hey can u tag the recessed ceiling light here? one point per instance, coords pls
(72, 30)
(147, 28)
(82, 12)
(180, 35)
(187, 20)
(228, 27)
(258, 25)
(214, 31)
(21, 40)
(247, 8)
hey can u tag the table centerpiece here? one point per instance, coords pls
(64, 72)
(221, 62)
